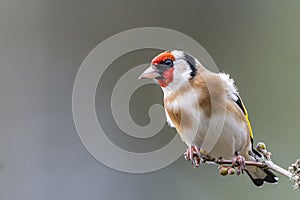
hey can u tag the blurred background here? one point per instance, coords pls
(43, 43)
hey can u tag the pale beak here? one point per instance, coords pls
(150, 72)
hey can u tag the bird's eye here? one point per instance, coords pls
(168, 63)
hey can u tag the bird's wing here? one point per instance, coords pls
(232, 94)
(241, 105)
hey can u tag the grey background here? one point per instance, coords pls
(42, 44)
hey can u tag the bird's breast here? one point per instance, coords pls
(183, 113)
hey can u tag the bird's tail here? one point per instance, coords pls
(259, 175)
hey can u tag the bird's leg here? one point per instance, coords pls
(239, 162)
(193, 154)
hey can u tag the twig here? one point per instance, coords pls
(293, 172)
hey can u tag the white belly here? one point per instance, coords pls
(221, 137)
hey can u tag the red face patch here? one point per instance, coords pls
(162, 57)
(167, 77)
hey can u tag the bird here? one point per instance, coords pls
(200, 103)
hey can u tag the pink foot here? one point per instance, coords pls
(239, 162)
(193, 154)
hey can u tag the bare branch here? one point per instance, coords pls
(227, 166)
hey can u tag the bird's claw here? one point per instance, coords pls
(239, 163)
(193, 154)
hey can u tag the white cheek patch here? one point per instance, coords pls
(181, 75)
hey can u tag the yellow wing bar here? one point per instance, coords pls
(243, 108)
(249, 124)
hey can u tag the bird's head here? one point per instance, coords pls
(172, 69)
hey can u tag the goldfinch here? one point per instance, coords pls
(198, 102)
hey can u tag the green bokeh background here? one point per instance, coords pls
(42, 44)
